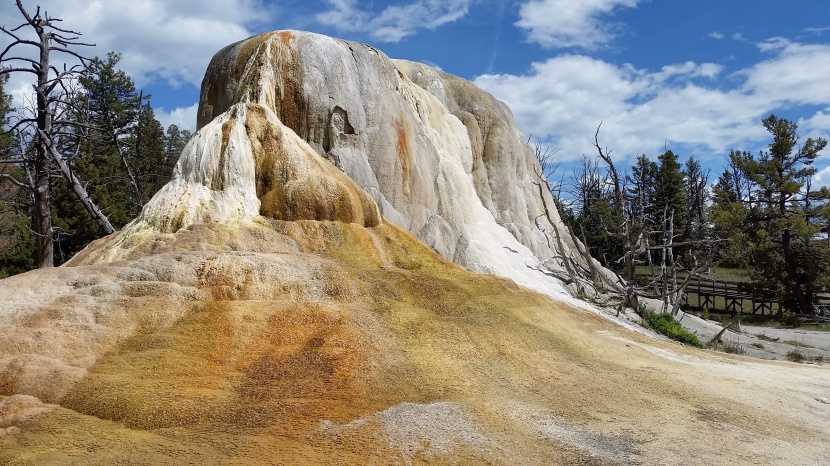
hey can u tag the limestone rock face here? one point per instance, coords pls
(440, 157)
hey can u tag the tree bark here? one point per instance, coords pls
(43, 190)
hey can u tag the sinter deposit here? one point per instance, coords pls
(271, 304)
(441, 157)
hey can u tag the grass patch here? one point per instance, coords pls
(797, 343)
(665, 324)
(733, 348)
(758, 345)
(728, 347)
(728, 273)
(818, 359)
(717, 273)
(795, 356)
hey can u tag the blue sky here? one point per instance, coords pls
(696, 77)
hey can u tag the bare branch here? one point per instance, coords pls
(15, 181)
(17, 70)
(70, 52)
(26, 14)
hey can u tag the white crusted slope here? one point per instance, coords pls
(440, 157)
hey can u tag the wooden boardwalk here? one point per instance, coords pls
(738, 297)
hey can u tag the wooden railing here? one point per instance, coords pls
(735, 296)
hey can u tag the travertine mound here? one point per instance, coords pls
(441, 157)
(241, 165)
(261, 311)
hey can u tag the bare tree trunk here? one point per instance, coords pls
(43, 191)
(584, 249)
(667, 266)
(137, 191)
(631, 298)
(43, 212)
(681, 290)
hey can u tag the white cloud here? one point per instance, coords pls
(817, 126)
(821, 178)
(817, 30)
(716, 35)
(345, 15)
(563, 99)
(157, 38)
(796, 73)
(568, 23)
(395, 22)
(183, 117)
(689, 70)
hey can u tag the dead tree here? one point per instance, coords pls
(632, 248)
(635, 237)
(44, 126)
(543, 172)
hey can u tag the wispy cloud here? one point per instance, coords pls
(688, 70)
(568, 23)
(497, 31)
(716, 35)
(817, 30)
(396, 22)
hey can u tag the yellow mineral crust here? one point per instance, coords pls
(326, 342)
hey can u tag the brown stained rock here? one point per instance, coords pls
(404, 155)
(294, 183)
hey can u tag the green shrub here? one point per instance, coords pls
(666, 325)
(790, 320)
(758, 345)
(795, 356)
